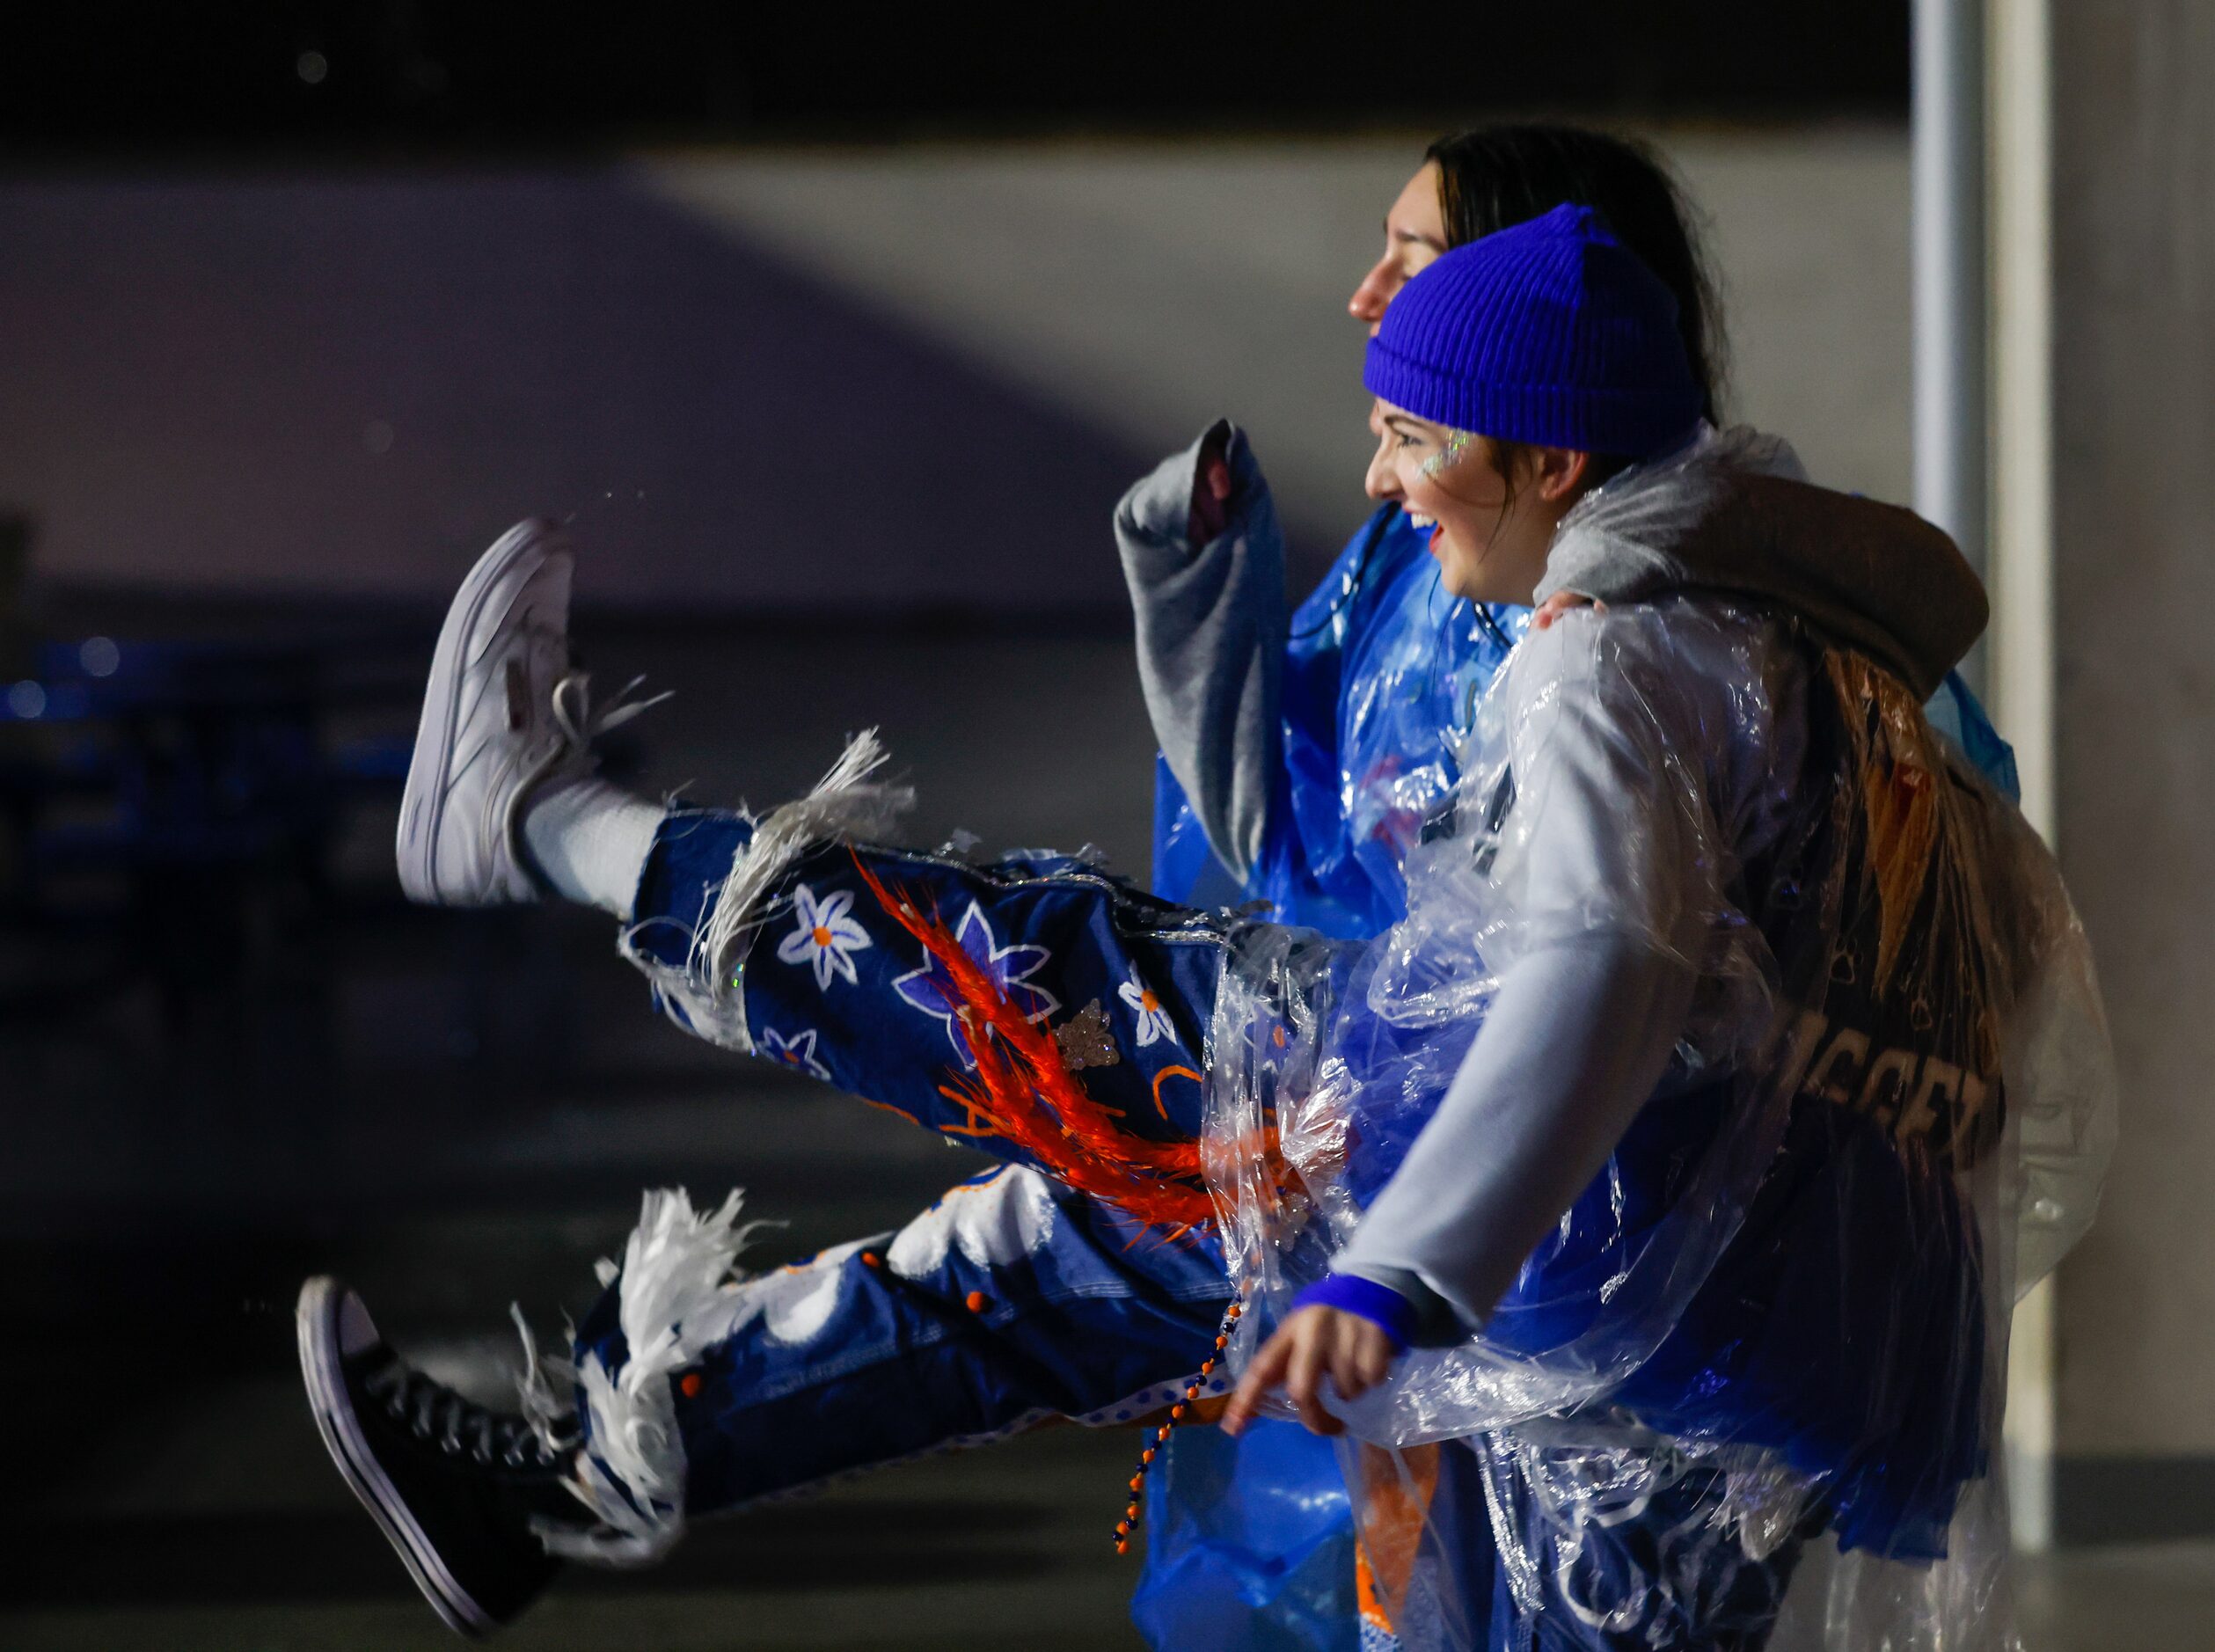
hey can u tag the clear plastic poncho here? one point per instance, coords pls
(1382, 671)
(1762, 1355)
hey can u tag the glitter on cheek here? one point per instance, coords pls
(1458, 444)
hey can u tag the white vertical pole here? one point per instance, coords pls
(1948, 61)
(2021, 571)
(1967, 463)
(2021, 568)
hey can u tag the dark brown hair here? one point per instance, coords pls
(1501, 175)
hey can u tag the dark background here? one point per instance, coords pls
(107, 80)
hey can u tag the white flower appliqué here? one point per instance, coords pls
(795, 1304)
(1153, 1018)
(798, 1051)
(827, 936)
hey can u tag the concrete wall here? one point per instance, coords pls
(349, 383)
(885, 379)
(2134, 497)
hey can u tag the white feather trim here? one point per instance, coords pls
(846, 805)
(678, 1269)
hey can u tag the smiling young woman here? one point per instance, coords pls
(1514, 453)
(1489, 506)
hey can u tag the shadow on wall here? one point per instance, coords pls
(285, 385)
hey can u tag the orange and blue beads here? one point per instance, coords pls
(1129, 1523)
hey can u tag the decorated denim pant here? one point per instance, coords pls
(1014, 1298)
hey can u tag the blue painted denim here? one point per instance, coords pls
(1013, 1298)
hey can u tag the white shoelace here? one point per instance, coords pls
(578, 725)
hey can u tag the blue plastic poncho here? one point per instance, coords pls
(1252, 1539)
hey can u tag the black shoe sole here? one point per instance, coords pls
(321, 1368)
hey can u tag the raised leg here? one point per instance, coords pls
(1011, 1301)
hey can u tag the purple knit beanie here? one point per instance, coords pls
(1549, 331)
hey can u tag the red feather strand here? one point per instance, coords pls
(1025, 1092)
(1022, 1090)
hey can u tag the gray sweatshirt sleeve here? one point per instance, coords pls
(1211, 632)
(1582, 1025)
(1575, 1040)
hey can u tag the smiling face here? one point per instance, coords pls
(1414, 234)
(1490, 527)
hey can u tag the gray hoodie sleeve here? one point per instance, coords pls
(1582, 1027)
(1574, 1043)
(1212, 631)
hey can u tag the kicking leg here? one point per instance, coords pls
(880, 971)
(1051, 1015)
(770, 936)
(1010, 1302)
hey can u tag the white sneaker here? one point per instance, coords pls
(491, 736)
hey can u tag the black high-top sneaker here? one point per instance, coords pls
(453, 1484)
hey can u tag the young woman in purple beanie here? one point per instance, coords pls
(1646, 1201)
(1301, 754)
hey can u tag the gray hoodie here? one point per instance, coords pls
(1652, 747)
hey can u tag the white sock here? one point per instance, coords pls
(590, 840)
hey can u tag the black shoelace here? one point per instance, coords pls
(443, 1420)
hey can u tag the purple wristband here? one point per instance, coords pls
(1380, 1304)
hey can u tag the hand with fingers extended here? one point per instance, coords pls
(1313, 1343)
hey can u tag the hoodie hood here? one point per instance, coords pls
(1734, 513)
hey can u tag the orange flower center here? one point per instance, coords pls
(822, 936)
(1149, 1003)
